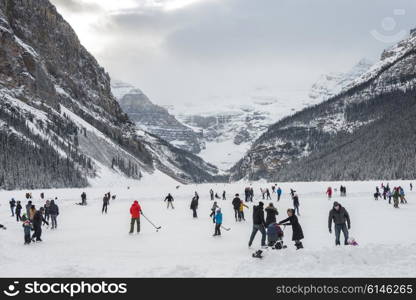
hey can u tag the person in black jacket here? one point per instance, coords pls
(12, 205)
(106, 201)
(83, 198)
(293, 221)
(170, 199)
(258, 224)
(236, 205)
(18, 211)
(37, 225)
(271, 213)
(295, 199)
(194, 205)
(339, 215)
(54, 212)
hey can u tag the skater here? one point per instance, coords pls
(297, 234)
(279, 193)
(28, 206)
(411, 187)
(223, 196)
(211, 194)
(32, 212)
(268, 194)
(292, 192)
(106, 201)
(271, 213)
(37, 225)
(83, 198)
(194, 205)
(329, 193)
(18, 211)
(218, 222)
(169, 199)
(47, 213)
(258, 224)
(263, 192)
(54, 212)
(251, 194)
(27, 227)
(135, 212)
(273, 188)
(396, 196)
(213, 210)
(236, 205)
(247, 194)
(341, 219)
(241, 211)
(296, 204)
(402, 195)
(12, 206)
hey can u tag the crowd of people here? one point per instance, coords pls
(33, 218)
(397, 194)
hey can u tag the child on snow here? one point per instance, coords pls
(27, 227)
(218, 222)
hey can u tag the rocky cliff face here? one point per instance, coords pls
(155, 119)
(357, 134)
(56, 103)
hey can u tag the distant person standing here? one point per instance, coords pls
(224, 196)
(106, 201)
(268, 194)
(296, 204)
(18, 211)
(170, 200)
(340, 217)
(194, 205)
(53, 212)
(329, 193)
(83, 198)
(236, 205)
(211, 194)
(279, 193)
(135, 212)
(12, 206)
(411, 187)
(218, 222)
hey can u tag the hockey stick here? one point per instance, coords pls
(225, 228)
(157, 227)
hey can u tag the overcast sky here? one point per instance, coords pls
(180, 51)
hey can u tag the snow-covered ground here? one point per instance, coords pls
(89, 244)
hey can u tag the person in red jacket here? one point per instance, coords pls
(135, 211)
(329, 193)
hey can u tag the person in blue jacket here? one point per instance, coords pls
(279, 193)
(218, 222)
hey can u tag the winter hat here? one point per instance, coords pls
(336, 204)
(237, 195)
(261, 204)
(218, 210)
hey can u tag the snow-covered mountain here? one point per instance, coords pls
(153, 118)
(229, 128)
(363, 132)
(60, 124)
(329, 85)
